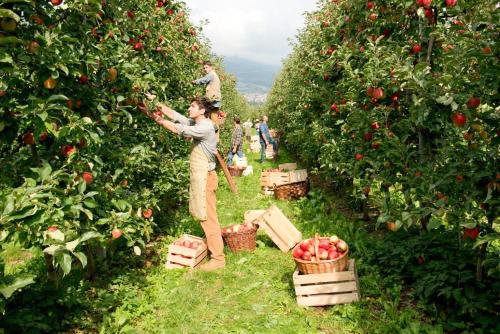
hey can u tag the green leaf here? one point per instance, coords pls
(90, 235)
(53, 249)
(82, 258)
(137, 250)
(10, 14)
(487, 238)
(19, 283)
(65, 263)
(10, 40)
(56, 98)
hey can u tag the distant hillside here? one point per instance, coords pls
(253, 78)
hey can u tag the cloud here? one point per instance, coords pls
(257, 30)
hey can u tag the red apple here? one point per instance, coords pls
(359, 156)
(148, 213)
(326, 24)
(68, 150)
(130, 14)
(186, 243)
(324, 244)
(341, 245)
(370, 5)
(459, 119)
(451, 3)
(421, 260)
(426, 3)
(416, 48)
(375, 125)
(373, 16)
(334, 107)
(298, 253)
(323, 254)
(471, 233)
(332, 255)
(52, 228)
(368, 136)
(378, 93)
(473, 102)
(376, 145)
(83, 79)
(116, 233)
(307, 256)
(304, 245)
(28, 138)
(56, 2)
(334, 239)
(87, 177)
(138, 46)
(428, 13)
(459, 178)
(43, 136)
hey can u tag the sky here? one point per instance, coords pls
(258, 30)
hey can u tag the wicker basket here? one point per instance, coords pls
(241, 241)
(322, 266)
(291, 191)
(236, 171)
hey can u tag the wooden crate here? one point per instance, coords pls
(252, 215)
(327, 289)
(269, 152)
(288, 166)
(182, 257)
(268, 191)
(297, 176)
(279, 228)
(271, 179)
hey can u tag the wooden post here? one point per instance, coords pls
(228, 176)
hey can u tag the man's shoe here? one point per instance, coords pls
(212, 265)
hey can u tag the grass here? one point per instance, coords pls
(254, 293)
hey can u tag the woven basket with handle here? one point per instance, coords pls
(322, 266)
(242, 240)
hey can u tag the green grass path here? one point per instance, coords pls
(254, 293)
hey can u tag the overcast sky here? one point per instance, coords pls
(254, 29)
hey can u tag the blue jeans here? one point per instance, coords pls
(263, 149)
(230, 156)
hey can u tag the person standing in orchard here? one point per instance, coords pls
(265, 138)
(248, 129)
(236, 142)
(213, 93)
(203, 178)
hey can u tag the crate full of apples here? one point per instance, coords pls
(187, 251)
(321, 255)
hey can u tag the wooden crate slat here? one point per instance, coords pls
(252, 215)
(288, 166)
(180, 260)
(324, 278)
(298, 176)
(182, 250)
(280, 226)
(316, 289)
(200, 257)
(281, 222)
(324, 300)
(171, 265)
(274, 237)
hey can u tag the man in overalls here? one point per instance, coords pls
(203, 178)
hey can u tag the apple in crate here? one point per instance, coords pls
(307, 256)
(332, 255)
(186, 243)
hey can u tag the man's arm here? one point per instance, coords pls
(203, 81)
(170, 126)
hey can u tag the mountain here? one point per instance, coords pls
(254, 79)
